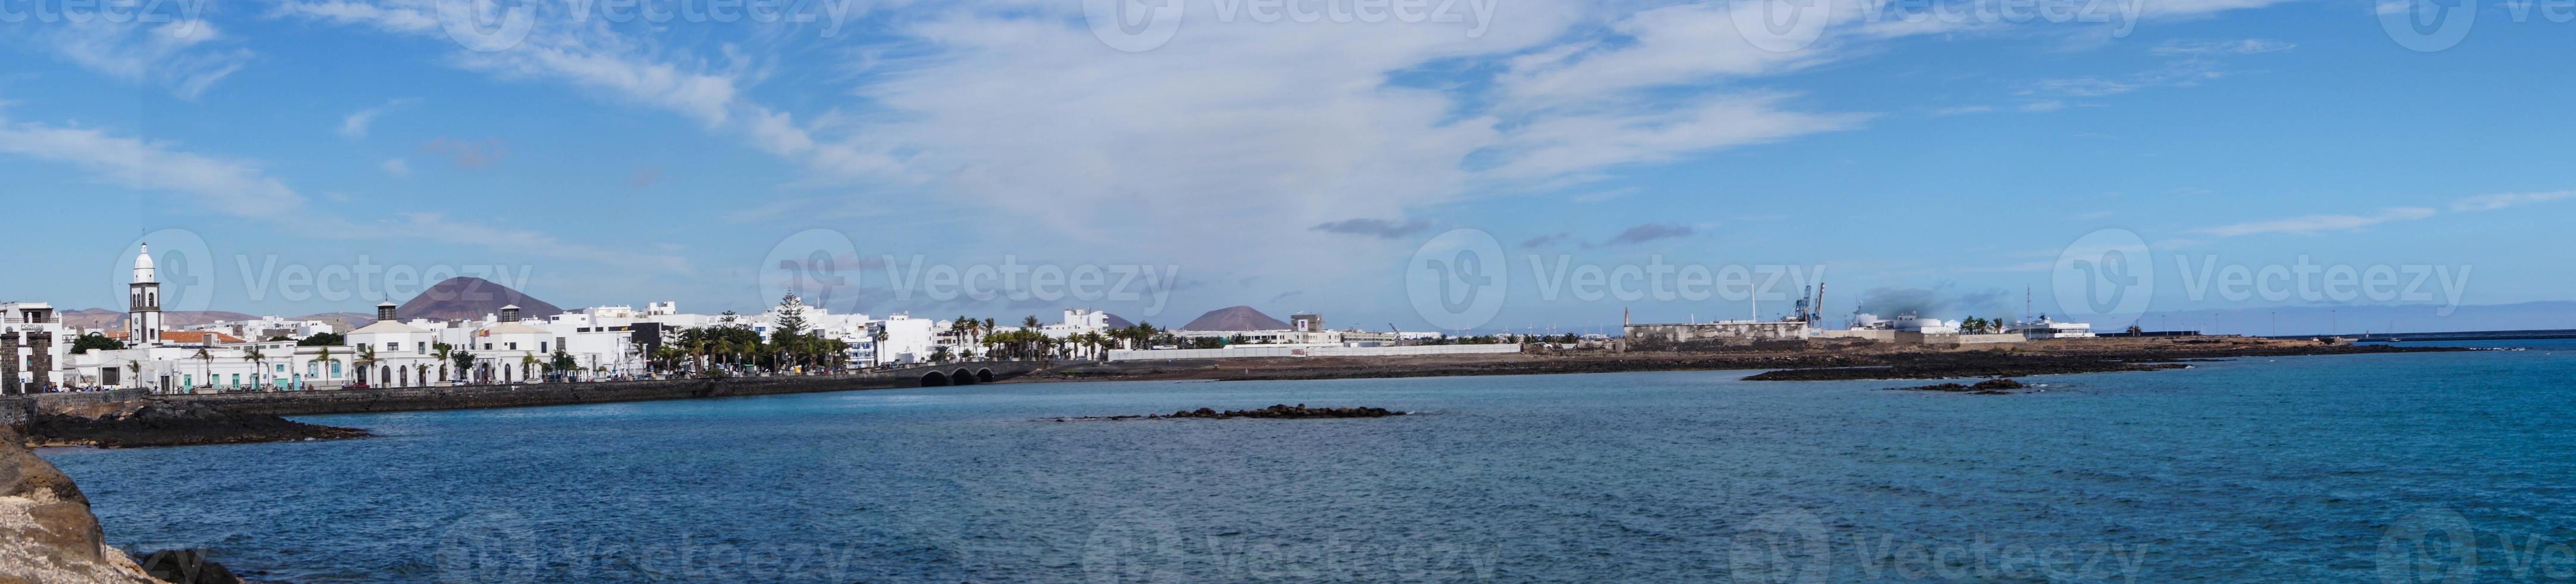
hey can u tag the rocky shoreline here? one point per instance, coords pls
(1275, 412)
(150, 422)
(1784, 364)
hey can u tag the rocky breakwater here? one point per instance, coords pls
(150, 422)
(1276, 412)
(1987, 387)
(47, 533)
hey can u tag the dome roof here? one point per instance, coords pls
(143, 265)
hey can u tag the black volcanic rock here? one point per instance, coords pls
(159, 423)
(462, 298)
(1239, 318)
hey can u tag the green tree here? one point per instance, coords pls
(323, 340)
(563, 361)
(85, 343)
(464, 361)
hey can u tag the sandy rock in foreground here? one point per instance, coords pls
(47, 534)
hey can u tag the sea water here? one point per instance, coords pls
(2325, 469)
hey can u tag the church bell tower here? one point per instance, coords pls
(143, 307)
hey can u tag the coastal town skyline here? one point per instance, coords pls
(431, 158)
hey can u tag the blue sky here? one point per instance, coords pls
(1290, 166)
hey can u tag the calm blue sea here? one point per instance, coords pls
(2311, 469)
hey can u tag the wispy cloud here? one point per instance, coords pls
(396, 167)
(2237, 47)
(1378, 228)
(1547, 240)
(186, 55)
(355, 125)
(2319, 223)
(242, 189)
(1649, 232)
(2493, 202)
(227, 186)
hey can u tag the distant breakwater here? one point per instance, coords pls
(408, 399)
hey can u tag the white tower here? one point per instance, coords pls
(143, 308)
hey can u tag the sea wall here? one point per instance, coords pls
(1241, 351)
(403, 399)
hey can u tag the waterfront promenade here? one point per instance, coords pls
(403, 399)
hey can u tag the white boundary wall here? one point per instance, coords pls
(1310, 351)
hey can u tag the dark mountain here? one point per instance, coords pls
(1239, 318)
(461, 297)
(1116, 322)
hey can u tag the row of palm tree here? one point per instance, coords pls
(1029, 342)
(734, 347)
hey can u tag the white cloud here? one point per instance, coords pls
(2493, 202)
(226, 186)
(2319, 223)
(242, 189)
(184, 55)
(355, 125)
(2240, 47)
(397, 167)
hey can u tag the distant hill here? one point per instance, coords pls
(1116, 322)
(1239, 318)
(112, 319)
(107, 319)
(2357, 319)
(462, 298)
(342, 321)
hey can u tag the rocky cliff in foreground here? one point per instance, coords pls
(47, 533)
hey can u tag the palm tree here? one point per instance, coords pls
(134, 371)
(209, 366)
(528, 364)
(446, 353)
(366, 360)
(258, 363)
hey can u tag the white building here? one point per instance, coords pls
(2044, 328)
